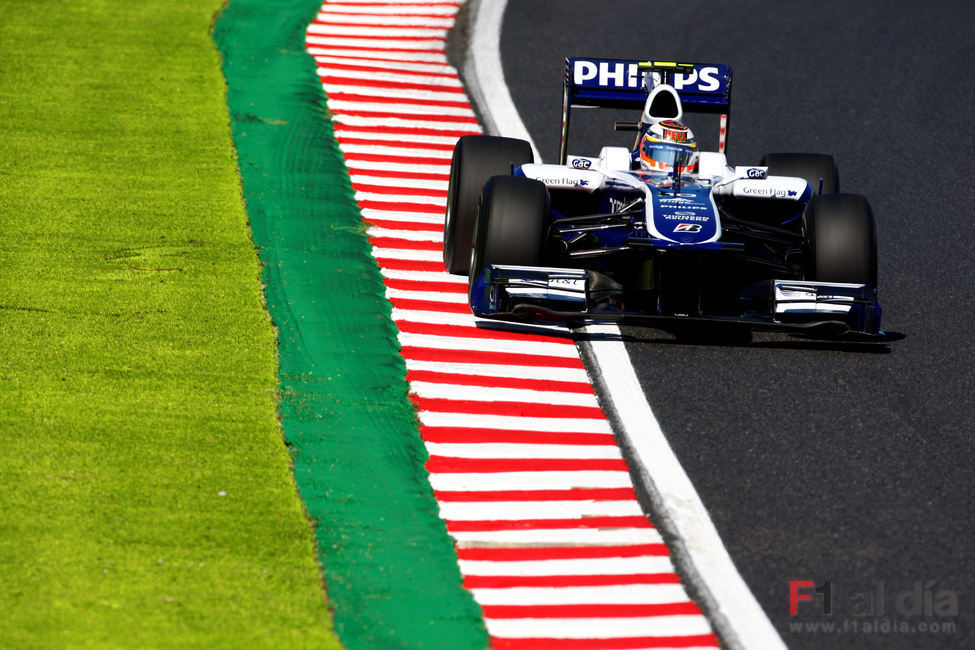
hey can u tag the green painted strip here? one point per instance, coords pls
(391, 571)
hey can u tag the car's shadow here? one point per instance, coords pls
(537, 329)
(716, 336)
(735, 337)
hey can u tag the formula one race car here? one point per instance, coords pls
(660, 233)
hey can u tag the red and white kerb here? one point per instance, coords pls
(536, 494)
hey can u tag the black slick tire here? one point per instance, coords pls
(841, 240)
(476, 158)
(510, 223)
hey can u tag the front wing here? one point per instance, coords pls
(576, 296)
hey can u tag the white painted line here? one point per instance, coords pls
(392, 8)
(574, 567)
(400, 77)
(516, 510)
(402, 207)
(408, 235)
(376, 42)
(413, 94)
(399, 150)
(392, 181)
(493, 370)
(400, 101)
(517, 450)
(330, 61)
(559, 350)
(436, 317)
(597, 628)
(448, 481)
(377, 31)
(399, 215)
(450, 318)
(453, 297)
(416, 235)
(405, 4)
(559, 536)
(433, 318)
(342, 10)
(514, 423)
(408, 255)
(375, 165)
(403, 111)
(392, 219)
(413, 138)
(397, 199)
(328, 17)
(428, 296)
(600, 628)
(393, 121)
(433, 233)
(366, 165)
(371, 54)
(483, 394)
(405, 100)
(626, 594)
(425, 276)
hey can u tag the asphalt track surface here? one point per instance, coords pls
(819, 461)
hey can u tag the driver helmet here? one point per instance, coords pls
(666, 145)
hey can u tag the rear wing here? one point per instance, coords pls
(622, 83)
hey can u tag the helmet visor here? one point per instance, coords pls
(659, 155)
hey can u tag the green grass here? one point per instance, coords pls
(146, 498)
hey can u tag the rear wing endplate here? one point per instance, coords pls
(621, 83)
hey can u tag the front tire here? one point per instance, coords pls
(510, 222)
(808, 166)
(476, 159)
(841, 239)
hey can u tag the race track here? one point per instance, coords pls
(819, 461)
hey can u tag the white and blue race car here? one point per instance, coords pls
(659, 233)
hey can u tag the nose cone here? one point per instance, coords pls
(690, 217)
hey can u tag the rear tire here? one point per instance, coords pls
(476, 159)
(509, 228)
(809, 166)
(841, 239)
